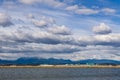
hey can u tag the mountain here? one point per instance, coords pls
(35, 61)
(100, 62)
(52, 61)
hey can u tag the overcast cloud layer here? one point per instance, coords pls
(55, 29)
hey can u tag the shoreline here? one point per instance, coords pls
(62, 66)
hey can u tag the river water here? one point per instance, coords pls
(59, 73)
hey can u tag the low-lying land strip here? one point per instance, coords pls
(62, 66)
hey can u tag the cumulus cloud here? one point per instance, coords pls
(31, 34)
(36, 36)
(41, 23)
(110, 39)
(33, 41)
(102, 29)
(40, 48)
(30, 16)
(60, 30)
(5, 20)
(104, 40)
(10, 56)
(95, 54)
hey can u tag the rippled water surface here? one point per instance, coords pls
(59, 74)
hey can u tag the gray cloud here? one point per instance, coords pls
(31, 34)
(39, 48)
(11, 56)
(58, 41)
(36, 36)
(105, 40)
(5, 20)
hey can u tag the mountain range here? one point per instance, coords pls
(52, 61)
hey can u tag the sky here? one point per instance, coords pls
(61, 29)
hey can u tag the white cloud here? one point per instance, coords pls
(26, 40)
(31, 34)
(104, 40)
(81, 10)
(93, 54)
(102, 29)
(60, 30)
(30, 16)
(72, 8)
(10, 56)
(39, 48)
(52, 3)
(5, 20)
(108, 10)
(29, 1)
(41, 23)
(34, 41)
(110, 39)
(86, 11)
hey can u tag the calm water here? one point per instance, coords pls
(59, 74)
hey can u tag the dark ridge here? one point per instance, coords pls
(52, 61)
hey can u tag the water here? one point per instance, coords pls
(59, 74)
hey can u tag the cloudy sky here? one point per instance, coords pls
(62, 29)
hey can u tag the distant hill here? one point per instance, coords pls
(52, 61)
(100, 62)
(35, 61)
